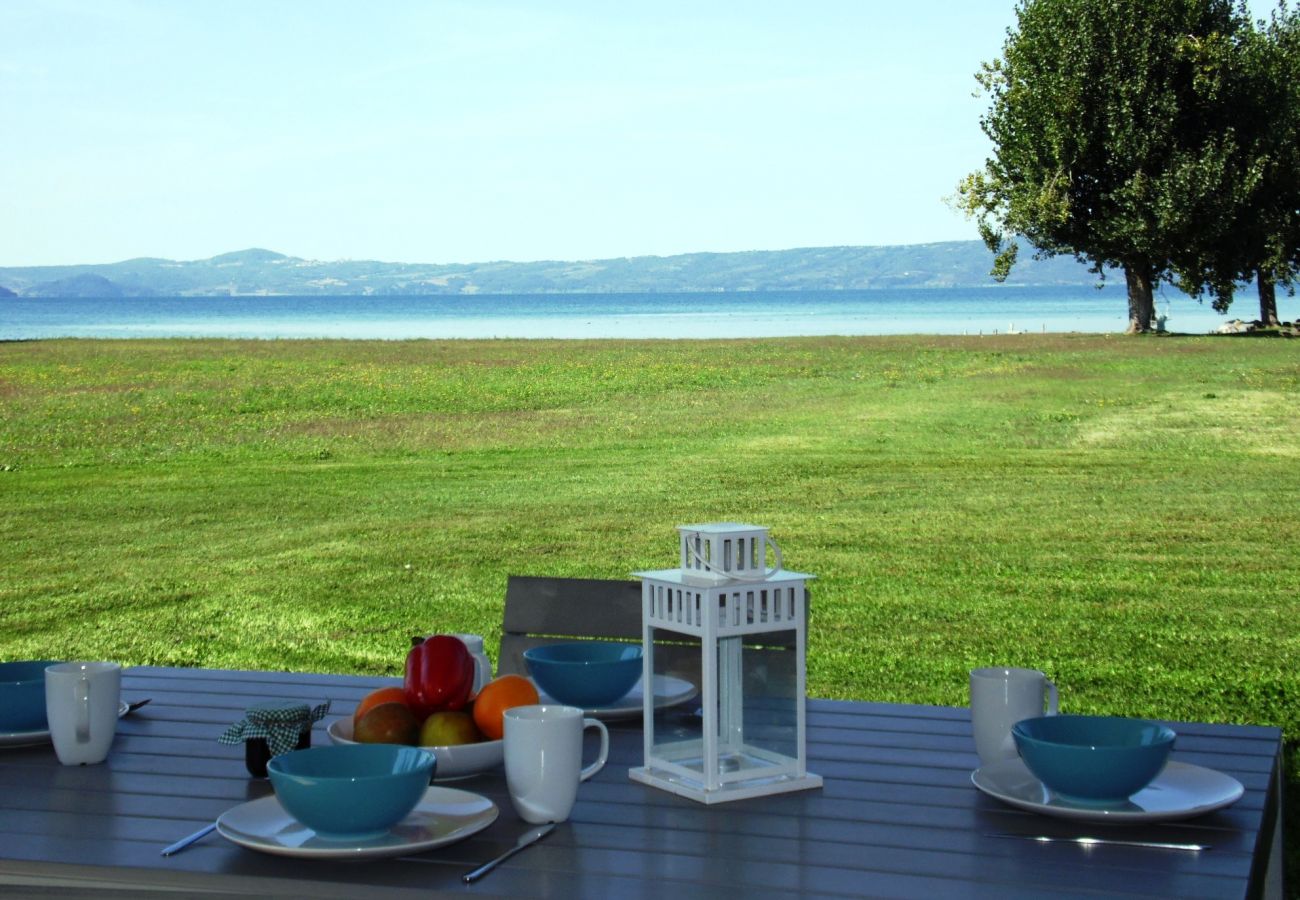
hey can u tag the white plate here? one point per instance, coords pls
(1181, 791)
(442, 817)
(40, 736)
(669, 691)
(462, 761)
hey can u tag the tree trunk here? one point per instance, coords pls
(1267, 298)
(1141, 306)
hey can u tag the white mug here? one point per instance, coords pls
(81, 702)
(482, 665)
(999, 698)
(543, 750)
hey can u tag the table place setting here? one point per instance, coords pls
(359, 801)
(379, 798)
(441, 816)
(669, 691)
(1097, 769)
(77, 697)
(371, 801)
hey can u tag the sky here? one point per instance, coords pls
(444, 132)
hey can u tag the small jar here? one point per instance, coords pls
(271, 728)
(257, 753)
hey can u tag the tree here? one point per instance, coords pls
(1269, 222)
(1250, 228)
(1106, 144)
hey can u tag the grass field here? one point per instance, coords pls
(1122, 513)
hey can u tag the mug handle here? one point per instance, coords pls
(776, 554)
(1052, 706)
(82, 691)
(693, 553)
(604, 748)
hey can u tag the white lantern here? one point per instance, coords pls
(748, 738)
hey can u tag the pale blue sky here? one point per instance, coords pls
(468, 131)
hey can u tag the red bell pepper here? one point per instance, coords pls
(439, 675)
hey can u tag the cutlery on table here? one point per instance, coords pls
(531, 836)
(186, 841)
(132, 707)
(1092, 842)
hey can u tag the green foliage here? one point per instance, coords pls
(1249, 220)
(1111, 133)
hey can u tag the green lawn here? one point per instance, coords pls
(1122, 513)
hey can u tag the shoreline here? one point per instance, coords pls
(981, 311)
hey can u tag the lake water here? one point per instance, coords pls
(757, 314)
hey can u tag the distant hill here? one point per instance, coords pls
(256, 271)
(82, 285)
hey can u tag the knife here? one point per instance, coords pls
(1092, 842)
(528, 837)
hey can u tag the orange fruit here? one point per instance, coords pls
(375, 698)
(496, 697)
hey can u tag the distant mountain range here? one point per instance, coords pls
(253, 272)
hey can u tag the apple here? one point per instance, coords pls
(449, 728)
(387, 723)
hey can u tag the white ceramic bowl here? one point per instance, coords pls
(454, 762)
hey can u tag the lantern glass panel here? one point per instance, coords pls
(757, 700)
(677, 733)
(751, 703)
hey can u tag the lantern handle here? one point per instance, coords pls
(766, 574)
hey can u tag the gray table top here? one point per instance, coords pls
(897, 817)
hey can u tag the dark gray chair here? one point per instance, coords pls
(542, 610)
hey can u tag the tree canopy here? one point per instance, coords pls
(1251, 231)
(1143, 135)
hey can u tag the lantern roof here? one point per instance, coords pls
(720, 527)
(695, 578)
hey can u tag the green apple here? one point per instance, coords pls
(448, 728)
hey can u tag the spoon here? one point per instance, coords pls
(528, 837)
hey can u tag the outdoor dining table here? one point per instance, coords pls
(897, 817)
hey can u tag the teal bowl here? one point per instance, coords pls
(586, 674)
(1093, 760)
(352, 792)
(22, 695)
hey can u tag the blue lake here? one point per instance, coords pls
(757, 314)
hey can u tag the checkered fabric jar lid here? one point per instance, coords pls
(278, 722)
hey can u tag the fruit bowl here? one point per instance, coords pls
(585, 674)
(454, 762)
(351, 793)
(1093, 760)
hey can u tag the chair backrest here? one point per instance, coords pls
(541, 610)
